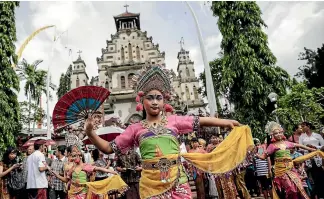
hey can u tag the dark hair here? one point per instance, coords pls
(6, 159)
(61, 149)
(95, 154)
(144, 115)
(296, 127)
(308, 124)
(69, 149)
(268, 140)
(38, 143)
(268, 143)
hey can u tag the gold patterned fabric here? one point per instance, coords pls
(102, 187)
(225, 158)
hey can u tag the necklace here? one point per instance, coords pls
(156, 128)
(281, 145)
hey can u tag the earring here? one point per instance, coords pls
(273, 139)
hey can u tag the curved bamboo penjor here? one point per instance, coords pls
(23, 46)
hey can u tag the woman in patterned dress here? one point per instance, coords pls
(156, 135)
(6, 166)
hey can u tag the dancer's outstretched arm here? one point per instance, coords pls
(213, 121)
(305, 147)
(100, 143)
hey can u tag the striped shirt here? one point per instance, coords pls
(261, 167)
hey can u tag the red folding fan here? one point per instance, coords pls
(77, 104)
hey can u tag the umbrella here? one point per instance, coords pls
(77, 104)
(107, 133)
(47, 141)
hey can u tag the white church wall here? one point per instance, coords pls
(122, 110)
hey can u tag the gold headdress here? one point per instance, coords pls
(153, 78)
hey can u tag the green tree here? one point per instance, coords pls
(9, 82)
(65, 83)
(248, 67)
(300, 104)
(35, 84)
(36, 113)
(313, 70)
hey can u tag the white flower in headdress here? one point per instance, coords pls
(272, 126)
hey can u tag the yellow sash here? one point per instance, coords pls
(226, 157)
(102, 187)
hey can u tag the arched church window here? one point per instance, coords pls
(138, 54)
(122, 54)
(122, 82)
(130, 79)
(187, 93)
(107, 85)
(130, 51)
(195, 92)
(187, 72)
(77, 83)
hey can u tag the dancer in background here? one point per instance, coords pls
(287, 183)
(157, 137)
(79, 175)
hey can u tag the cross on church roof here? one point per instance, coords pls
(126, 6)
(181, 43)
(79, 53)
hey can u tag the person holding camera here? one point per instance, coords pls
(12, 184)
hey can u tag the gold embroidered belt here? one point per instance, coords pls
(283, 160)
(163, 164)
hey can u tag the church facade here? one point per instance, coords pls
(128, 50)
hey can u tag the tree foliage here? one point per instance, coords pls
(300, 104)
(313, 71)
(9, 82)
(36, 79)
(37, 113)
(248, 67)
(35, 85)
(65, 83)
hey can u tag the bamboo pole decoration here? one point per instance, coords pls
(29, 38)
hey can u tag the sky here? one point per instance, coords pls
(87, 25)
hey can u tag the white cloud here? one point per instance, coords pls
(90, 24)
(288, 30)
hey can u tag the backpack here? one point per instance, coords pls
(16, 180)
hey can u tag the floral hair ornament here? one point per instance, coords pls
(152, 77)
(271, 127)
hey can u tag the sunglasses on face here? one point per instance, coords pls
(154, 97)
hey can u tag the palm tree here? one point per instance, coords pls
(35, 83)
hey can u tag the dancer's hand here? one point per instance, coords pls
(89, 125)
(232, 123)
(138, 168)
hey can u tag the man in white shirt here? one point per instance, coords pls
(87, 155)
(37, 183)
